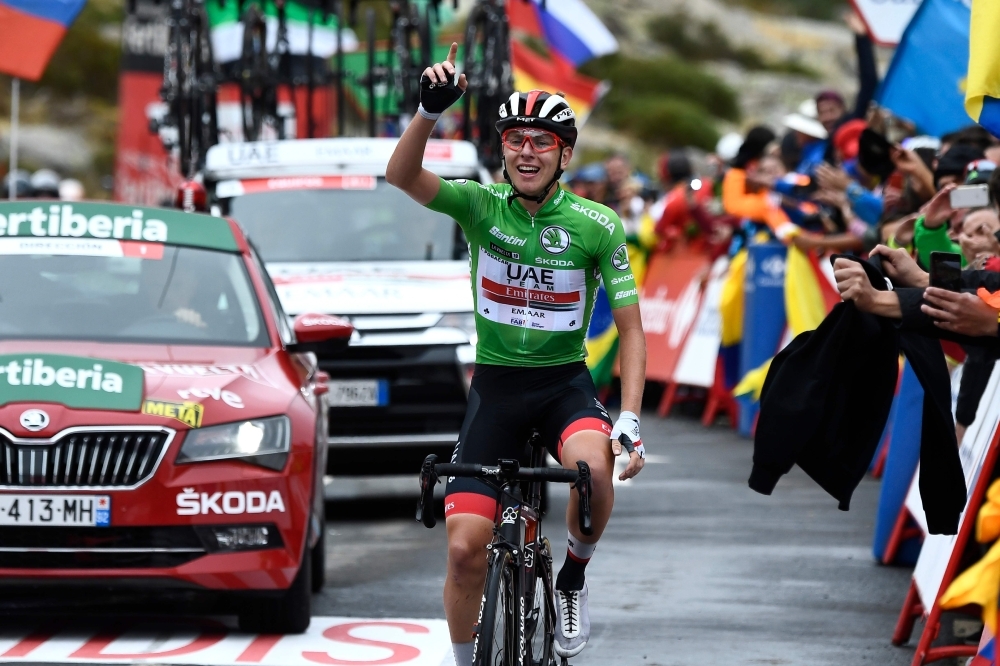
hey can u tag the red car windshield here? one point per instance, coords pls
(167, 294)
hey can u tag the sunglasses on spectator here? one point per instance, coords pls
(542, 141)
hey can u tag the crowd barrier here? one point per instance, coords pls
(943, 557)
(683, 306)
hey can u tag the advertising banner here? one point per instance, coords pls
(669, 302)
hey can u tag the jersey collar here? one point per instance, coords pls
(550, 206)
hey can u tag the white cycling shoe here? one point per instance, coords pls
(572, 623)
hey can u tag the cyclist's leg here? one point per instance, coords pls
(494, 428)
(580, 428)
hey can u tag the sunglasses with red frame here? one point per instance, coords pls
(542, 141)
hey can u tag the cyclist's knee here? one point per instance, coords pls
(468, 536)
(594, 448)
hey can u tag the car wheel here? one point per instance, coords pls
(318, 560)
(288, 614)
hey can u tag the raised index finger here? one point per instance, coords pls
(452, 52)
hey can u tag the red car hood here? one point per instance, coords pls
(183, 386)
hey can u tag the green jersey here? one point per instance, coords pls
(535, 278)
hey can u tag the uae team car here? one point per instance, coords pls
(162, 425)
(337, 239)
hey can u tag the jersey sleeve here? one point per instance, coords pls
(613, 261)
(465, 201)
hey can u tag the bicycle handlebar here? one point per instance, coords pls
(555, 474)
(507, 471)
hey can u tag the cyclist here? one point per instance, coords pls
(537, 253)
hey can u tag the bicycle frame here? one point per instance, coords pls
(517, 538)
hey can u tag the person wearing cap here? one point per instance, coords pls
(811, 137)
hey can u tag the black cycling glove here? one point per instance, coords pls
(436, 97)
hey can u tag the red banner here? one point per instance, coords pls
(669, 301)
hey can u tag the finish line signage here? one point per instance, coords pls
(342, 641)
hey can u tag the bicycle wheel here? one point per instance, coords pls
(205, 132)
(472, 65)
(254, 73)
(497, 641)
(540, 619)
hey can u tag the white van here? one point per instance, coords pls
(337, 239)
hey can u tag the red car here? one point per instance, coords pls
(161, 422)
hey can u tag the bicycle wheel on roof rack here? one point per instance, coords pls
(487, 68)
(205, 132)
(406, 39)
(256, 84)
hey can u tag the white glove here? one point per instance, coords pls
(626, 431)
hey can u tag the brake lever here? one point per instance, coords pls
(584, 488)
(425, 505)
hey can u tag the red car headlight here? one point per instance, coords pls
(263, 442)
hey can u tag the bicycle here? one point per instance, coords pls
(189, 87)
(487, 68)
(519, 574)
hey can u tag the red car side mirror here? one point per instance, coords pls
(317, 332)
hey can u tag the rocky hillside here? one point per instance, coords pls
(688, 71)
(773, 54)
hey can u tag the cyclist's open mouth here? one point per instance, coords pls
(528, 171)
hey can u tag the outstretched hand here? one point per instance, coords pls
(438, 87)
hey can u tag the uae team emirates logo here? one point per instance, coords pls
(525, 296)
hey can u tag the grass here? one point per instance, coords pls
(663, 101)
(696, 40)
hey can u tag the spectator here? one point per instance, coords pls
(618, 170)
(590, 181)
(682, 212)
(831, 109)
(45, 184)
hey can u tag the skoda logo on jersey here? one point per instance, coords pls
(34, 420)
(620, 258)
(555, 240)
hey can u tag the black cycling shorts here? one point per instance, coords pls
(505, 405)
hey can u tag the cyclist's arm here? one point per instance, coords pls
(406, 170)
(633, 356)
(623, 296)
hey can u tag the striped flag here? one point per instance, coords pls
(32, 30)
(568, 44)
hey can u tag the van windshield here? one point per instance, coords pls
(381, 224)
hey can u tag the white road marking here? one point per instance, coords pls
(329, 640)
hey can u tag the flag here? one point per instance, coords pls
(810, 291)
(568, 27)
(602, 340)
(926, 79)
(32, 30)
(982, 94)
(556, 70)
(980, 583)
(731, 311)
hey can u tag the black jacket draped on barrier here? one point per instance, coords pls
(826, 400)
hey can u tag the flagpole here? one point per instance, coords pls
(15, 102)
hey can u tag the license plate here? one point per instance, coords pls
(359, 393)
(56, 510)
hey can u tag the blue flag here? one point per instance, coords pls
(926, 80)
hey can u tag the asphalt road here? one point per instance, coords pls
(695, 568)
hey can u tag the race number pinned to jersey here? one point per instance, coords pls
(536, 297)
